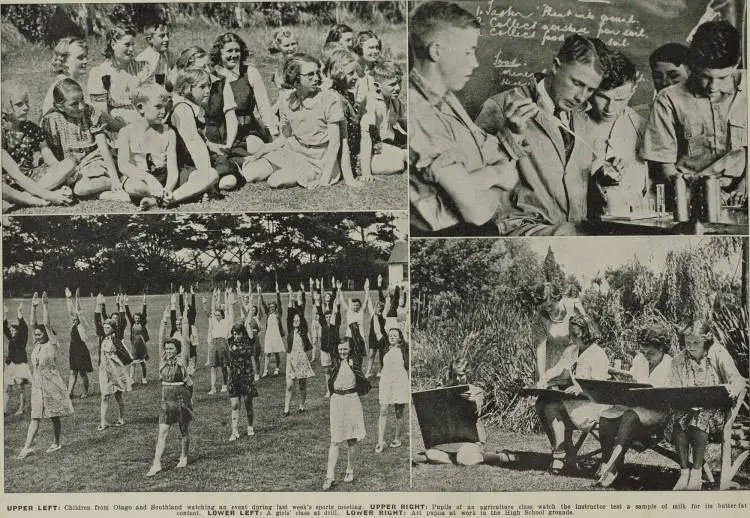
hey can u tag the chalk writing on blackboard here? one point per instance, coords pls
(550, 25)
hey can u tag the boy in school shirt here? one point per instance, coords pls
(459, 174)
(669, 65)
(700, 126)
(551, 196)
(158, 58)
(381, 133)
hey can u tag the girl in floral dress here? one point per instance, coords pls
(114, 378)
(703, 362)
(241, 378)
(298, 345)
(49, 396)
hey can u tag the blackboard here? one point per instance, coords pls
(445, 416)
(521, 37)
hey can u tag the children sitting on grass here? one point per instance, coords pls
(26, 181)
(382, 132)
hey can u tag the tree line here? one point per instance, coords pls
(137, 253)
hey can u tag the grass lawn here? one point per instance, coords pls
(30, 65)
(644, 471)
(286, 454)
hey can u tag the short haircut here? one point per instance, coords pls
(148, 92)
(154, 25)
(715, 45)
(63, 89)
(292, 67)
(187, 78)
(674, 53)
(62, 51)
(174, 341)
(427, 19)
(589, 329)
(655, 336)
(702, 329)
(361, 38)
(115, 34)
(334, 35)
(620, 70)
(12, 91)
(227, 37)
(584, 50)
(357, 301)
(284, 33)
(385, 71)
(337, 65)
(187, 57)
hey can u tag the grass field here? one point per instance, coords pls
(286, 454)
(29, 63)
(643, 471)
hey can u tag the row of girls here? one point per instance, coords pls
(161, 128)
(236, 345)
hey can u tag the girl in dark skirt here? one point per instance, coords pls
(176, 402)
(241, 377)
(138, 339)
(78, 353)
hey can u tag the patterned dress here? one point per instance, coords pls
(49, 395)
(113, 376)
(21, 145)
(716, 367)
(241, 373)
(297, 363)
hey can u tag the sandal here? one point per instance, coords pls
(182, 463)
(379, 447)
(153, 471)
(25, 452)
(349, 477)
(328, 484)
(53, 448)
(120, 422)
(558, 462)
(234, 436)
(102, 427)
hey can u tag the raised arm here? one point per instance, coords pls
(301, 300)
(192, 311)
(185, 338)
(367, 304)
(34, 305)
(69, 304)
(340, 292)
(181, 299)
(278, 301)
(144, 320)
(128, 314)
(229, 299)
(173, 314)
(98, 318)
(163, 329)
(45, 319)
(381, 294)
(262, 307)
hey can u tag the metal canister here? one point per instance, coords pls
(660, 205)
(681, 212)
(711, 198)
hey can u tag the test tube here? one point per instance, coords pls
(660, 206)
(681, 212)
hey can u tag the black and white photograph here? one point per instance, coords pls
(580, 364)
(193, 353)
(577, 117)
(203, 107)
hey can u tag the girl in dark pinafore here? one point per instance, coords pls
(78, 352)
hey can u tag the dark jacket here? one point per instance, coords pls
(17, 344)
(355, 362)
(329, 335)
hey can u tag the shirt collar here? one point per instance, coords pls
(543, 99)
(225, 72)
(198, 110)
(421, 85)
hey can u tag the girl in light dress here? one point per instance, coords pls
(346, 384)
(177, 391)
(220, 323)
(585, 359)
(273, 339)
(17, 372)
(114, 378)
(298, 346)
(49, 396)
(393, 390)
(620, 425)
(79, 355)
(111, 82)
(702, 363)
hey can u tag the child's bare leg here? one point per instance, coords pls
(120, 405)
(302, 393)
(257, 170)
(283, 178)
(391, 160)
(22, 198)
(198, 183)
(351, 455)
(72, 382)
(87, 187)
(136, 188)
(382, 421)
(333, 458)
(57, 175)
(31, 433)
